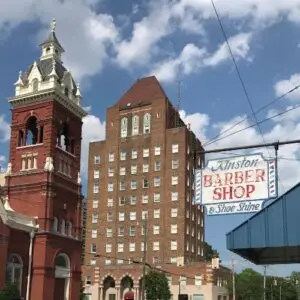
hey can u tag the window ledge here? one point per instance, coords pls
(30, 146)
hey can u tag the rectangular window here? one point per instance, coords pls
(156, 229)
(145, 199)
(111, 157)
(144, 214)
(173, 245)
(198, 280)
(156, 181)
(96, 159)
(173, 260)
(111, 172)
(174, 180)
(145, 168)
(123, 155)
(133, 169)
(174, 212)
(175, 148)
(157, 166)
(156, 246)
(133, 200)
(110, 202)
(94, 219)
(110, 187)
(107, 262)
(133, 184)
(94, 233)
(157, 151)
(121, 231)
(132, 216)
(96, 174)
(122, 186)
(145, 183)
(132, 231)
(96, 188)
(109, 232)
(122, 171)
(175, 164)
(156, 197)
(145, 152)
(93, 262)
(108, 248)
(120, 261)
(174, 228)
(109, 217)
(156, 214)
(121, 216)
(131, 247)
(120, 247)
(182, 280)
(142, 246)
(174, 196)
(95, 203)
(134, 154)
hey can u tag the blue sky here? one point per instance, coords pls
(109, 44)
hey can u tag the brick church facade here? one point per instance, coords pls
(40, 199)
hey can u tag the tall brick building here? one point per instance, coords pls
(141, 182)
(40, 209)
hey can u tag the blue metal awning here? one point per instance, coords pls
(272, 236)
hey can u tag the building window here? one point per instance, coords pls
(142, 246)
(93, 262)
(120, 261)
(156, 197)
(121, 231)
(96, 188)
(135, 125)
(111, 157)
(96, 174)
(156, 229)
(110, 187)
(133, 200)
(122, 186)
(96, 159)
(174, 180)
(109, 217)
(174, 196)
(132, 216)
(175, 148)
(144, 214)
(145, 152)
(123, 155)
(110, 202)
(131, 247)
(145, 183)
(95, 203)
(133, 184)
(108, 248)
(173, 245)
(93, 248)
(133, 169)
(94, 219)
(55, 224)
(156, 246)
(175, 164)
(109, 232)
(173, 260)
(124, 125)
(111, 172)
(107, 262)
(198, 280)
(156, 181)
(121, 216)
(156, 213)
(145, 168)
(145, 199)
(174, 228)
(157, 151)
(157, 166)
(132, 230)
(15, 271)
(174, 212)
(134, 154)
(94, 233)
(120, 247)
(147, 123)
(122, 171)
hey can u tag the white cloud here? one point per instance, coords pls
(283, 86)
(92, 130)
(4, 129)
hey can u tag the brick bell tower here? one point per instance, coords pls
(43, 176)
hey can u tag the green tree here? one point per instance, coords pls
(157, 286)
(209, 252)
(10, 292)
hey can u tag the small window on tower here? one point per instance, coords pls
(67, 92)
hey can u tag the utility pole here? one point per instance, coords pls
(144, 256)
(265, 277)
(233, 279)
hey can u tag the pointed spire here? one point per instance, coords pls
(53, 25)
(53, 72)
(19, 81)
(78, 93)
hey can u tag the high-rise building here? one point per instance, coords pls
(40, 211)
(141, 191)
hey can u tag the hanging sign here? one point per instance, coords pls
(237, 184)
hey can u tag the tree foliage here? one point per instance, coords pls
(157, 286)
(209, 252)
(10, 292)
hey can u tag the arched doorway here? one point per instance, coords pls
(14, 270)
(109, 290)
(126, 285)
(62, 277)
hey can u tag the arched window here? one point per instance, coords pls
(63, 227)
(14, 271)
(31, 131)
(69, 229)
(55, 224)
(63, 140)
(124, 124)
(35, 85)
(147, 123)
(135, 125)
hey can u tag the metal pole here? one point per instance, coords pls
(144, 257)
(31, 235)
(265, 272)
(233, 279)
(274, 144)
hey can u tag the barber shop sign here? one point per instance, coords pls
(237, 184)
